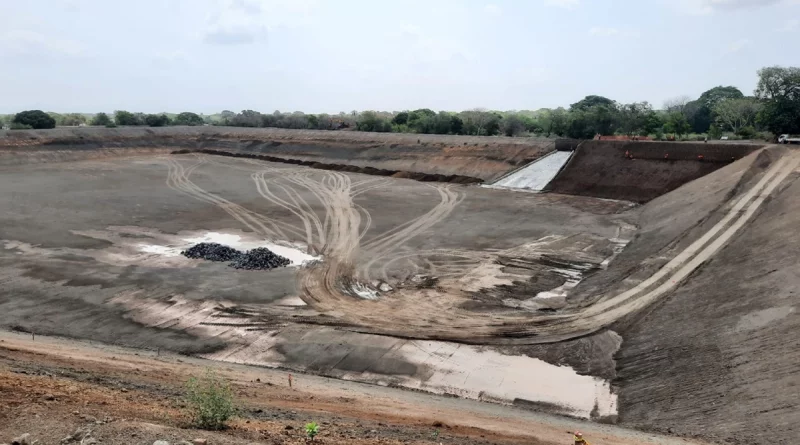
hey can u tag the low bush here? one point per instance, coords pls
(312, 429)
(210, 401)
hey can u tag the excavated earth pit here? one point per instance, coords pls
(540, 300)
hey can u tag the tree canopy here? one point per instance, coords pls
(188, 118)
(779, 90)
(101, 119)
(36, 119)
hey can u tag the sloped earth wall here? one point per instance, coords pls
(484, 158)
(718, 357)
(641, 171)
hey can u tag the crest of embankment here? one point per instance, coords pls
(484, 158)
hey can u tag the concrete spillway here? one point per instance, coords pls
(536, 175)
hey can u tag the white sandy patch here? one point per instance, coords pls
(364, 291)
(488, 274)
(291, 300)
(159, 250)
(445, 368)
(480, 373)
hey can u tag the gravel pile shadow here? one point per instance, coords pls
(259, 258)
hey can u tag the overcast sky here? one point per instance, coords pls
(341, 55)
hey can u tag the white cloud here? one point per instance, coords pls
(422, 46)
(790, 25)
(245, 21)
(739, 45)
(31, 43)
(566, 4)
(703, 7)
(604, 32)
(600, 31)
(170, 58)
(493, 10)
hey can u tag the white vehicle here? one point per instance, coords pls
(788, 139)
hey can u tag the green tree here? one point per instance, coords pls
(700, 113)
(73, 119)
(370, 121)
(580, 125)
(456, 124)
(633, 117)
(677, 124)
(156, 120)
(653, 123)
(101, 119)
(593, 115)
(714, 132)
(779, 90)
(247, 118)
(122, 117)
(188, 118)
(226, 116)
(313, 121)
(440, 124)
(735, 114)
(590, 102)
(36, 119)
(512, 125)
(57, 117)
(400, 118)
(559, 122)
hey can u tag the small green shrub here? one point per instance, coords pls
(714, 132)
(746, 132)
(210, 401)
(312, 429)
(16, 126)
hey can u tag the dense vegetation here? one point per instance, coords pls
(35, 119)
(773, 109)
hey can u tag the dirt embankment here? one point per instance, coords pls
(715, 357)
(484, 158)
(719, 358)
(52, 387)
(641, 171)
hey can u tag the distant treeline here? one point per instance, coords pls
(773, 109)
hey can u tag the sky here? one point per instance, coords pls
(341, 55)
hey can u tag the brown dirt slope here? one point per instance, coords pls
(52, 387)
(671, 222)
(641, 171)
(481, 157)
(720, 357)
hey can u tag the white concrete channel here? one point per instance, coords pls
(536, 175)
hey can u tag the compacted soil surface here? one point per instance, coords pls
(63, 391)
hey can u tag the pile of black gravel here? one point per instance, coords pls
(260, 258)
(212, 252)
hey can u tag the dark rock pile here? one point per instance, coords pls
(260, 258)
(212, 252)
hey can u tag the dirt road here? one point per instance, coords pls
(62, 383)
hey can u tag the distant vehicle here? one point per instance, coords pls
(723, 138)
(788, 139)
